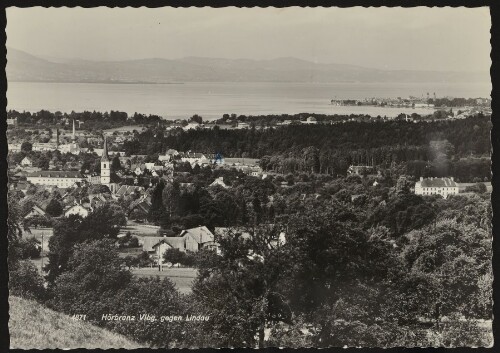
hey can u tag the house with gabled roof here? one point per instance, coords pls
(194, 158)
(35, 211)
(169, 155)
(140, 207)
(202, 235)
(128, 190)
(193, 239)
(77, 209)
(26, 162)
(219, 182)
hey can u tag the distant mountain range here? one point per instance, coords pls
(25, 67)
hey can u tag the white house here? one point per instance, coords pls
(193, 239)
(242, 125)
(194, 158)
(311, 121)
(48, 146)
(77, 210)
(436, 186)
(14, 147)
(220, 182)
(26, 162)
(169, 155)
(193, 126)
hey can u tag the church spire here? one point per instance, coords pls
(105, 156)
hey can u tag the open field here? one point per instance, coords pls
(32, 326)
(182, 277)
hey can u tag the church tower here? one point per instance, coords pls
(105, 166)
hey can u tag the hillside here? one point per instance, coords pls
(25, 67)
(32, 326)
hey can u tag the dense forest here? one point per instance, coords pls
(467, 136)
(439, 148)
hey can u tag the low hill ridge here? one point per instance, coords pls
(25, 67)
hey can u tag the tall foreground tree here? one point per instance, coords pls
(14, 230)
(101, 224)
(269, 276)
(241, 291)
(54, 208)
(456, 257)
(157, 209)
(93, 274)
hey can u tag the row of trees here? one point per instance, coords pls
(90, 120)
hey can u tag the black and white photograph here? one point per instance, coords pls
(201, 177)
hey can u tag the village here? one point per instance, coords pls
(94, 172)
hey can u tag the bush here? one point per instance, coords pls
(176, 256)
(38, 221)
(29, 248)
(153, 296)
(480, 188)
(128, 241)
(25, 281)
(54, 208)
(89, 284)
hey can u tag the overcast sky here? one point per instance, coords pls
(456, 39)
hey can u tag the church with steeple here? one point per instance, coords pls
(108, 178)
(105, 165)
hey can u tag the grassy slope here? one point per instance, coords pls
(32, 325)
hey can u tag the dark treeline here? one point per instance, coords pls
(437, 148)
(467, 136)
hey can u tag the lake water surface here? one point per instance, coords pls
(212, 100)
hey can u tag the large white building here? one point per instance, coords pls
(61, 179)
(194, 158)
(47, 146)
(436, 186)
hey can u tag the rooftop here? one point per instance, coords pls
(56, 174)
(438, 183)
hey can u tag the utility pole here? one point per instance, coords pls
(41, 253)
